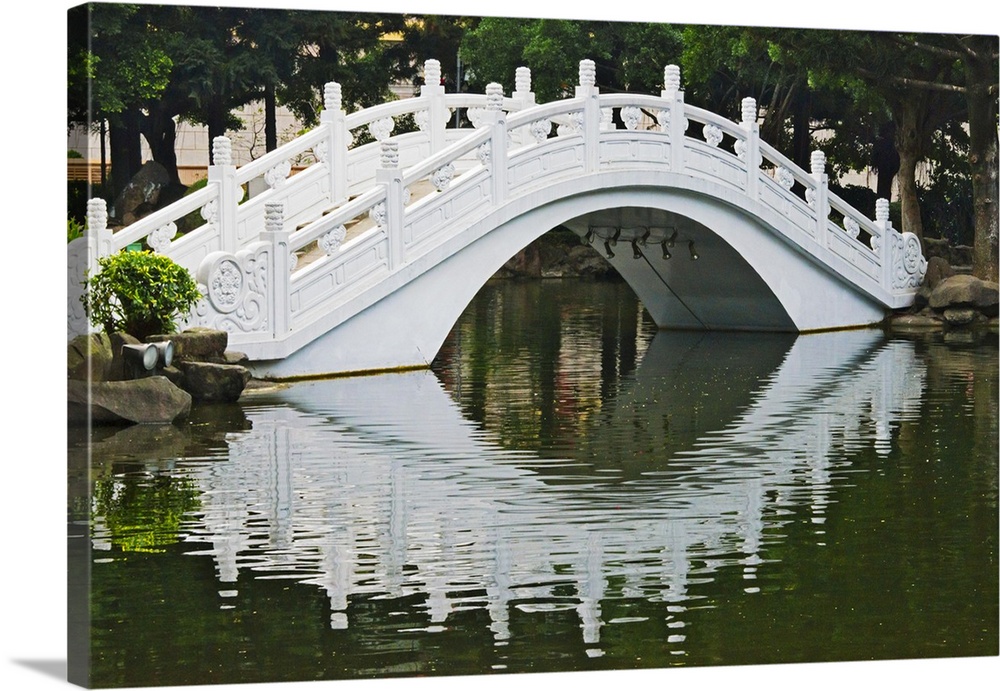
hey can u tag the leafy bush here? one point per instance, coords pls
(74, 229)
(140, 293)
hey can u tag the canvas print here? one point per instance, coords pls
(427, 345)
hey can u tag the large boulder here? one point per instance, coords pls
(215, 382)
(90, 357)
(142, 193)
(938, 269)
(197, 343)
(98, 356)
(147, 400)
(965, 292)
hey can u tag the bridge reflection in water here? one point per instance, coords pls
(379, 486)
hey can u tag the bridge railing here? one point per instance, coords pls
(483, 169)
(354, 206)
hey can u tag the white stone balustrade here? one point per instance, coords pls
(496, 170)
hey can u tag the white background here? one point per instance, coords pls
(33, 487)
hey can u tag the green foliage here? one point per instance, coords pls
(143, 514)
(140, 293)
(629, 56)
(74, 229)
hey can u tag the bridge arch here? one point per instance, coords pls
(746, 277)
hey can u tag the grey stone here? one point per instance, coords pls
(961, 316)
(915, 322)
(232, 357)
(938, 269)
(196, 343)
(142, 193)
(147, 400)
(90, 356)
(207, 381)
(965, 291)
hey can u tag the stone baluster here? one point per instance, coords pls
(497, 120)
(437, 116)
(525, 98)
(817, 198)
(750, 149)
(222, 173)
(522, 88)
(674, 96)
(389, 154)
(587, 90)
(98, 244)
(880, 243)
(334, 118)
(277, 237)
(391, 177)
(97, 233)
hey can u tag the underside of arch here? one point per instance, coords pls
(686, 275)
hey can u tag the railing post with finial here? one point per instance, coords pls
(522, 88)
(433, 91)
(750, 152)
(498, 142)
(677, 126)
(881, 245)
(525, 98)
(82, 256)
(334, 156)
(222, 173)
(587, 90)
(277, 237)
(817, 166)
(97, 234)
(391, 177)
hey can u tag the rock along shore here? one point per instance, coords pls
(102, 389)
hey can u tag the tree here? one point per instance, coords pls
(978, 56)
(437, 37)
(348, 48)
(117, 63)
(929, 82)
(627, 55)
(722, 65)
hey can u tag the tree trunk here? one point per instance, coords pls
(216, 128)
(885, 161)
(160, 132)
(126, 150)
(910, 153)
(801, 134)
(981, 77)
(270, 119)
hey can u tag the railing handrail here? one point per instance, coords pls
(301, 144)
(347, 212)
(168, 214)
(445, 156)
(544, 111)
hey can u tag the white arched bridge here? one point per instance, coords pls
(366, 256)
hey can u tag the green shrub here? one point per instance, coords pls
(140, 293)
(74, 229)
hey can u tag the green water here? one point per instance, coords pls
(567, 489)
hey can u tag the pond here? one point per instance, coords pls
(565, 489)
